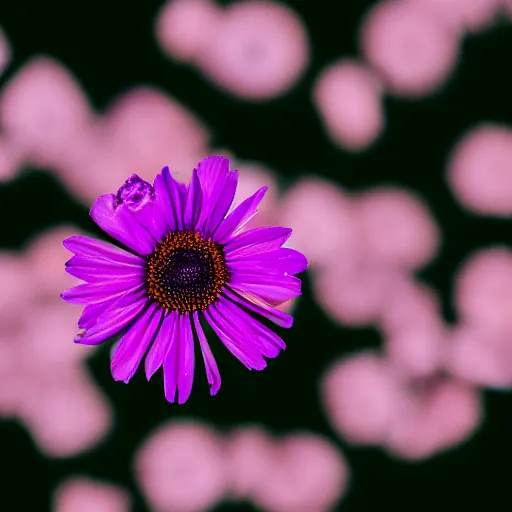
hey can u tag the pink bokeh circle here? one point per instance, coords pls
(479, 170)
(260, 50)
(412, 51)
(348, 98)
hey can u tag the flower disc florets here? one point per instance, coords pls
(186, 272)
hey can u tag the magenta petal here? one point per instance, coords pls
(218, 184)
(258, 305)
(212, 370)
(179, 362)
(193, 203)
(236, 342)
(160, 346)
(97, 271)
(257, 241)
(272, 288)
(170, 365)
(92, 312)
(186, 361)
(239, 217)
(99, 292)
(168, 200)
(224, 202)
(120, 223)
(132, 347)
(111, 323)
(267, 341)
(283, 261)
(97, 249)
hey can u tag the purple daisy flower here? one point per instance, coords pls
(185, 258)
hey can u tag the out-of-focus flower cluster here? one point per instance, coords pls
(188, 466)
(43, 380)
(418, 396)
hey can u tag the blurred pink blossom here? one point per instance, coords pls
(480, 170)
(44, 386)
(433, 421)
(363, 247)
(255, 50)
(415, 335)
(418, 350)
(184, 27)
(361, 397)
(409, 304)
(412, 51)
(249, 454)
(81, 494)
(369, 403)
(464, 15)
(306, 472)
(143, 130)
(48, 122)
(354, 296)
(260, 50)
(186, 466)
(42, 379)
(397, 228)
(147, 129)
(43, 111)
(16, 290)
(181, 468)
(483, 290)
(480, 357)
(45, 257)
(324, 222)
(66, 412)
(11, 159)
(348, 98)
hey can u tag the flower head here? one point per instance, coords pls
(185, 259)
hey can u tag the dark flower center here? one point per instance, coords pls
(186, 272)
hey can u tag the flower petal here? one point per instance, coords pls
(132, 347)
(267, 341)
(212, 370)
(157, 352)
(120, 223)
(186, 359)
(96, 271)
(258, 305)
(235, 342)
(98, 249)
(99, 292)
(168, 202)
(272, 288)
(111, 323)
(179, 362)
(219, 186)
(257, 241)
(193, 203)
(92, 312)
(239, 217)
(280, 261)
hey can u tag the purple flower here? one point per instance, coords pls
(184, 259)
